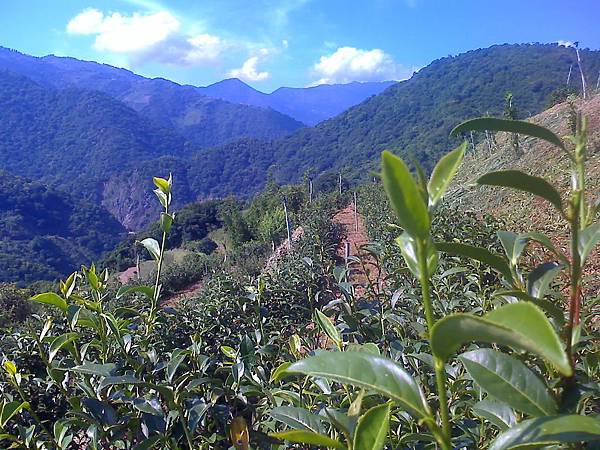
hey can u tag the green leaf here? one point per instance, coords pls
(480, 254)
(443, 173)
(552, 309)
(60, 342)
(408, 247)
(546, 242)
(540, 278)
(368, 371)
(544, 431)
(52, 299)
(515, 179)
(176, 359)
(520, 325)
(513, 245)
(497, 413)
(298, 418)
(11, 409)
(162, 184)
(404, 196)
(229, 352)
(308, 437)
(509, 380)
(152, 246)
(512, 126)
(148, 291)
(278, 373)
(588, 238)
(103, 370)
(166, 220)
(372, 428)
(327, 326)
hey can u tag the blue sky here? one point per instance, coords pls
(273, 43)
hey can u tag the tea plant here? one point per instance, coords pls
(540, 389)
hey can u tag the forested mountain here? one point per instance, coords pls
(412, 118)
(309, 105)
(204, 120)
(75, 140)
(89, 142)
(46, 233)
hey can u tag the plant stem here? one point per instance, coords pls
(440, 373)
(154, 305)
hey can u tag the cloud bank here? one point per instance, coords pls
(147, 36)
(349, 64)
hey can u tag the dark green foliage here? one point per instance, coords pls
(47, 234)
(413, 117)
(189, 230)
(14, 305)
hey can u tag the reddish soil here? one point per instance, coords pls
(355, 235)
(188, 292)
(127, 275)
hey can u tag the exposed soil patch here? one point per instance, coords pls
(354, 238)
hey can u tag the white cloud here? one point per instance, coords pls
(349, 64)
(88, 21)
(118, 33)
(249, 70)
(566, 43)
(150, 36)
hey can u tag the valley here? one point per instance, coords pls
(374, 265)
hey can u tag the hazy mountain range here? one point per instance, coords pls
(99, 133)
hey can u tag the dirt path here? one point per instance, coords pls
(354, 238)
(188, 292)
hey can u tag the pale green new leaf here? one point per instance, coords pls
(368, 371)
(408, 248)
(327, 326)
(148, 291)
(405, 196)
(372, 428)
(588, 238)
(152, 246)
(509, 380)
(52, 299)
(520, 325)
(443, 173)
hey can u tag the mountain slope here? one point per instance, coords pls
(75, 140)
(308, 105)
(540, 159)
(204, 120)
(47, 234)
(413, 117)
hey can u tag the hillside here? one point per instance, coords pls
(204, 120)
(412, 118)
(309, 105)
(75, 139)
(539, 159)
(48, 234)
